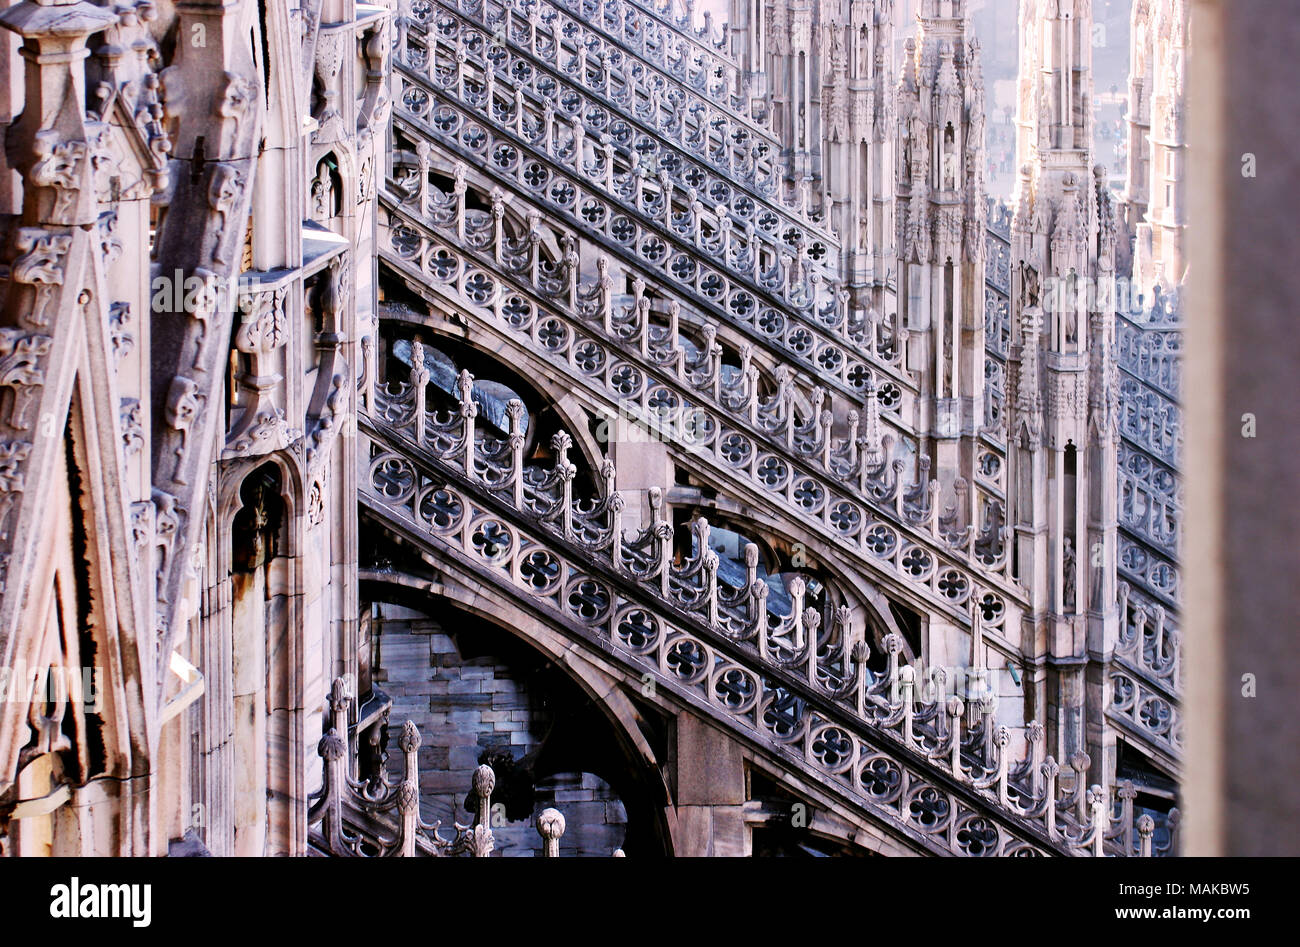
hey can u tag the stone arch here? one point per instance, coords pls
(253, 652)
(326, 200)
(570, 415)
(293, 492)
(589, 676)
(779, 552)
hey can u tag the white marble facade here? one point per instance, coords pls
(680, 355)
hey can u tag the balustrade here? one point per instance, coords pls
(551, 33)
(1154, 357)
(822, 339)
(798, 683)
(712, 417)
(1147, 676)
(1148, 641)
(756, 281)
(607, 104)
(1149, 502)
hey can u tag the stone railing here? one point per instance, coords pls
(1154, 357)
(731, 176)
(749, 275)
(1151, 420)
(606, 73)
(999, 219)
(997, 263)
(635, 370)
(1147, 677)
(803, 320)
(745, 239)
(997, 323)
(1150, 500)
(1149, 641)
(372, 818)
(673, 49)
(997, 348)
(794, 685)
(768, 328)
(1157, 575)
(995, 397)
(551, 32)
(682, 26)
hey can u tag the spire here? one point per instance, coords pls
(907, 81)
(1055, 79)
(946, 82)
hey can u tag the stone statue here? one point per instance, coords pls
(1067, 570)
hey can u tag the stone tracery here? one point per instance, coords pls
(537, 291)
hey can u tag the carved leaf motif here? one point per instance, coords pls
(56, 166)
(132, 420)
(43, 253)
(183, 403)
(119, 317)
(20, 369)
(109, 245)
(19, 355)
(12, 455)
(481, 842)
(236, 100)
(263, 327)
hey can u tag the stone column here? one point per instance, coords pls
(710, 792)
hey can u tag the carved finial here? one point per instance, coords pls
(484, 781)
(465, 387)
(1034, 732)
(331, 746)
(550, 824)
(339, 695)
(407, 797)
(812, 620)
(409, 741)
